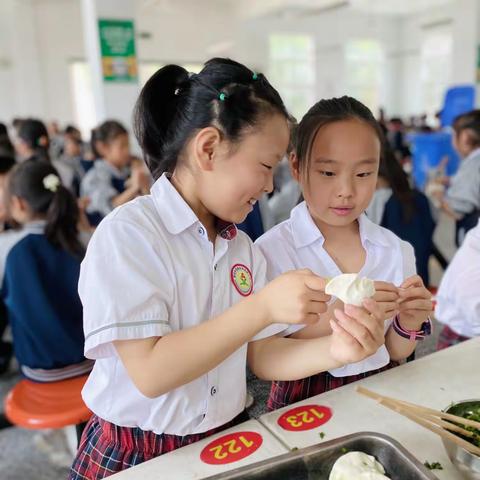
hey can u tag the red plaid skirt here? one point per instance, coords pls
(283, 393)
(448, 338)
(106, 448)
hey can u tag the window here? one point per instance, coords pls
(292, 71)
(364, 72)
(435, 73)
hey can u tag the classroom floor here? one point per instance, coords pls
(43, 455)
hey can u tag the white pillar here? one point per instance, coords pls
(112, 99)
(466, 41)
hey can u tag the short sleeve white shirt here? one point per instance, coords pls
(458, 297)
(298, 243)
(149, 270)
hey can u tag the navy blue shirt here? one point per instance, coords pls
(39, 288)
(418, 231)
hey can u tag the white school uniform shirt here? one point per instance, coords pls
(298, 243)
(150, 270)
(458, 297)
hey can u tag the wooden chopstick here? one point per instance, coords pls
(431, 411)
(428, 421)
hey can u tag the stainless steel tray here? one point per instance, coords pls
(315, 463)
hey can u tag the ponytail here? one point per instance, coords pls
(62, 219)
(38, 183)
(174, 104)
(155, 114)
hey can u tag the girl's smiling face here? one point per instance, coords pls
(239, 177)
(339, 178)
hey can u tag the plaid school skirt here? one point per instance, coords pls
(448, 338)
(106, 448)
(283, 393)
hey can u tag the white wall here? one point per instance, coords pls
(331, 31)
(38, 39)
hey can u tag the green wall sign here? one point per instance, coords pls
(117, 46)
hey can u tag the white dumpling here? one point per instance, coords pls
(350, 288)
(358, 466)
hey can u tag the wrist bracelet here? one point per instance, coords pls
(425, 330)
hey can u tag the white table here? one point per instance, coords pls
(185, 463)
(434, 381)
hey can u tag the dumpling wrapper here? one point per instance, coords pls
(350, 288)
(358, 466)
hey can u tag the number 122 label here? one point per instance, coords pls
(231, 448)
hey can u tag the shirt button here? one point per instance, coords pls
(213, 391)
(201, 231)
(215, 267)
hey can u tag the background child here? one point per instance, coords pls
(104, 184)
(32, 140)
(39, 269)
(172, 291)
(462, 199)
(403, 210)
(6, 350)
(458, 297)
(337, 151)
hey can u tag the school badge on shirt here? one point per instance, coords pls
(242, 279)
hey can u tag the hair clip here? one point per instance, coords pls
(51, 182)
(222, 96)
(254, 76)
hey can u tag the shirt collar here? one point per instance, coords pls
(306, 232)
(177, 214)
(473, 154)
(371, 232)
(35, 226)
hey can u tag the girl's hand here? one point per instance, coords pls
(386, 296)
(294, 297)
(357, 333)
(415, 303)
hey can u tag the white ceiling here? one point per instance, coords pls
(285, 8)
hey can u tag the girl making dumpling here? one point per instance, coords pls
(337, 149)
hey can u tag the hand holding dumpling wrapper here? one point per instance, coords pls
(350, 288)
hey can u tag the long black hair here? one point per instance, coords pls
(174, 104)
(391, 170)
(35, 135)
(56, 204)
(324, 113)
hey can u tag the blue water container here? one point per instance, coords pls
(459, 99)
(428, 149)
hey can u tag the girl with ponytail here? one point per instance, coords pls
(174, 295)
(39, 270)
(33, 141)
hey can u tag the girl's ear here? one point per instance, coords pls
(469, 137)
(294, 166)
(42, 141)
(18, 204)
(205, 146)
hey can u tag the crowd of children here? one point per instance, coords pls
(139, 271)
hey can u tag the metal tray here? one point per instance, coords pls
(315, 462)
